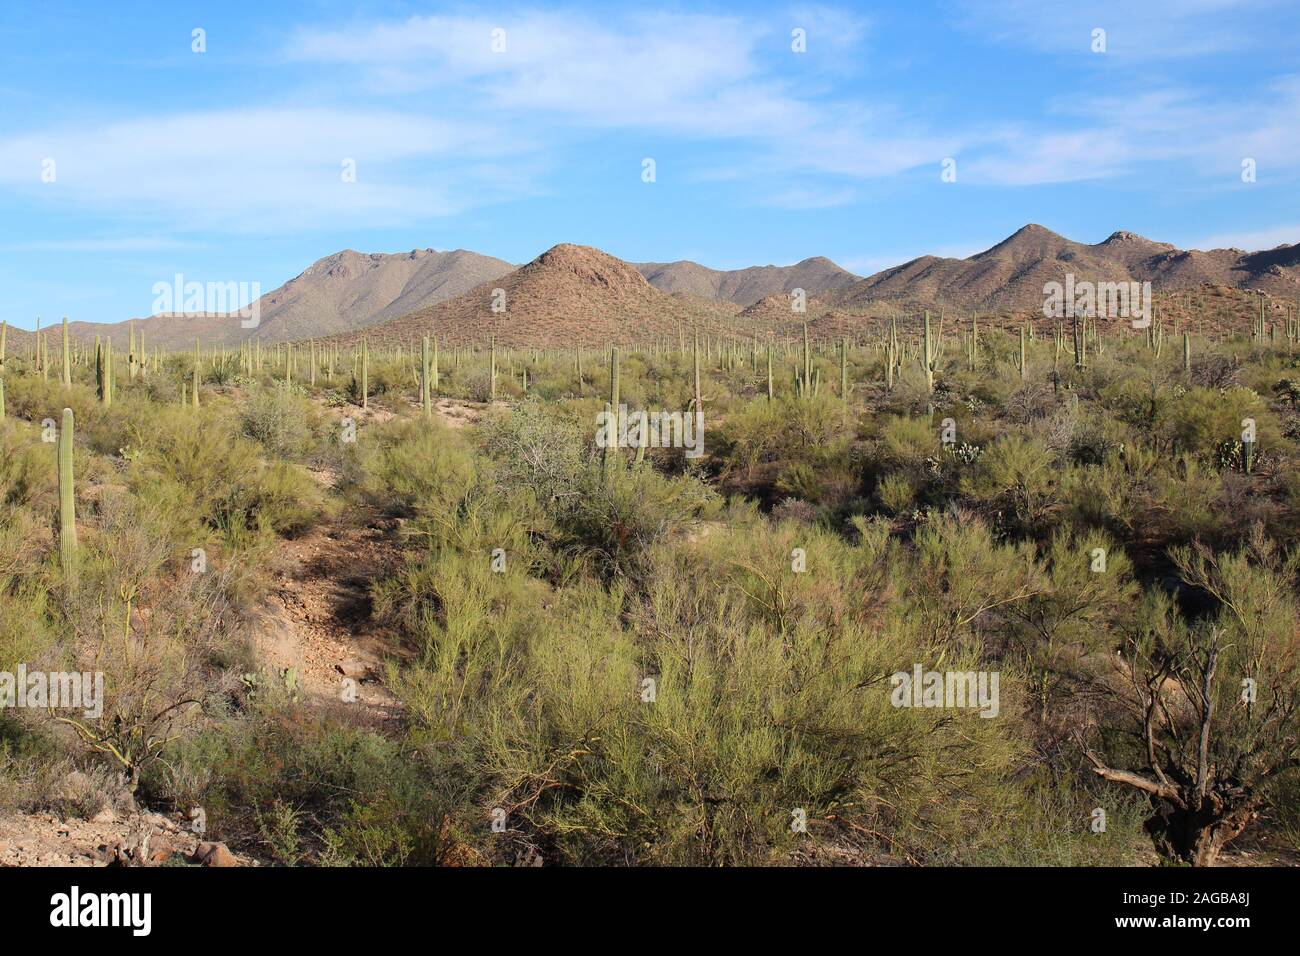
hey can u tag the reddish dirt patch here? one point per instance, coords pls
(318, 620)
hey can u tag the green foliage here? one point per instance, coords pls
(660, 660)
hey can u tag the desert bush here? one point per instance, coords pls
(283, 422)
(1015, 475)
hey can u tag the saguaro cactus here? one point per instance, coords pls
(492, 372)
(195, 389)
(844, 370)
(67, 356)
(933, 345)
(365, 374)
(806, 387)
(642, 438)
(1023, 367)
(105, 372)
(1080, 338)
(426, 398)
(892, 357)
(612, 412)
(771, 391)
(1187, 354)
(699, 397)
(67, 502)
(614, 382)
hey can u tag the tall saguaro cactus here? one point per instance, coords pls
(105, 372)
(67, 356)
(67, 502)
(806, 386)
(699, 396)
(426, 392)
(614, 383)
(892, 357)
(365, 374)
(844, 370)
(933, 345)
(612, 412)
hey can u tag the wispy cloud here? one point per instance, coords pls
(1146, 131)
(647, 70)
(109, 245)
(1253, 240)
(1152, 29)
(442, 115)
(694, 75)
(238, 169)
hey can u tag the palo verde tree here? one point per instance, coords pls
(1208, 708)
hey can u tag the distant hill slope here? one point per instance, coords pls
(569, 295)
(345, 291)
(744, 287)
(1011, 275)
(576, 294)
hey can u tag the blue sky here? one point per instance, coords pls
(227, 165)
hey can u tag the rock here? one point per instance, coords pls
(353, 668)
(105, 853)
(213, 854)
(161, 851)
(105, 815)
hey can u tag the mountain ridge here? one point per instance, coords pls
(571, 290)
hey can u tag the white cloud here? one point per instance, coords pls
(1151, 130)
(694, 75)
(243, 168)
(460, 126)
(649, 70)
(1255, 240)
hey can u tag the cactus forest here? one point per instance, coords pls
(395, 604)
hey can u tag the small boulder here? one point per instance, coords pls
(213, 854)
(353, 668)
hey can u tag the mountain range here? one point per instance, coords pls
(574, 294)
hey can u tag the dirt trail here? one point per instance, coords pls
(317, 622)
(318, 619)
